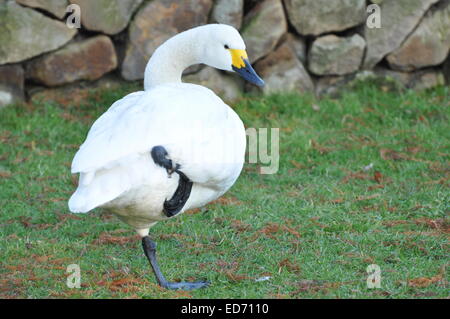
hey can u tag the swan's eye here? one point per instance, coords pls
(226, 46)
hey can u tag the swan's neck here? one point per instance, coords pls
(170, 60)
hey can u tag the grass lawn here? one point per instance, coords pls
(363, 179)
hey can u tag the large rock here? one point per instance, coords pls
(82, 60)
(385, 78)
(228, 12)
(283, 72)
(403, 79)
(156, 22)
(398, 20)
(332, 86)
(25, 33)
(427, 79)
(107, 16)
(263, 27)
(314, 17)
(73, 94)
(11, 84)
(193, 69)
(418, 80)
(55, 7)
(227, 85)
(333, 55)
(297, 44)
(428, 45)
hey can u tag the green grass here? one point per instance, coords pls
(313, 227)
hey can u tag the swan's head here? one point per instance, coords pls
(223, 48)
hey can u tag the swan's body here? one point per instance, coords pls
(202, 135)
(118, 172)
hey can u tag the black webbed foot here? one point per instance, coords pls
(187, 285)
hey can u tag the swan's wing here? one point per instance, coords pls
(178, 119)
(102, 145)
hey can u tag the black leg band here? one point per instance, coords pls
(174, 205)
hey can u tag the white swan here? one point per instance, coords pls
(173, 147)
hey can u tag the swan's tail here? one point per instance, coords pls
(98, 188)
(77, 204)
(102, 186)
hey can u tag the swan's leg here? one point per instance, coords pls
(174, 205)
(150, 251)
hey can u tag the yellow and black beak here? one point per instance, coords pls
(242, 66)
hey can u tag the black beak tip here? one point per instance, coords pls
(249, 74)
(260, 82)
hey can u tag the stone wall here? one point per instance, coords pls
(301, 45)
